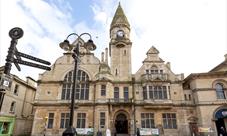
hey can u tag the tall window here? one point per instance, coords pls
(12, 107)
(116, 92)
(154, 92)
(147, 120)
(16, 89)
(102, 119)
(185, 97)
(220, 91)
(50, 120)
(1, 97)
(189, 97)
(103, 90)
(81, 119)
(126, 93)
(82, 88)
(144, 93)
(169, 120)
(64, 120)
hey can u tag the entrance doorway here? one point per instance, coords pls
(221, 121)
(220, 124)
(193, 129)
(121, 124)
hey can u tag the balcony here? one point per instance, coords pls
(154, 77)
(120, 101)
(164, 103)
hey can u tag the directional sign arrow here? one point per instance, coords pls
(32, 64)
(17, 66)
(32, 58)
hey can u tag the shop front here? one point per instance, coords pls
(6, 125)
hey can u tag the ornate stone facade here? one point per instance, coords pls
(112, 97)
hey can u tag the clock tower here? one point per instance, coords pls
(120, 46)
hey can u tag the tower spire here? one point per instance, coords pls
(119, 18)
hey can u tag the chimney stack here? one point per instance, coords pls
(168, 65)
(102, 57)
(106, 54)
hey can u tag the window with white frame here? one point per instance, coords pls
(147, 120)
(169, 120)
(154, 70)
(126, 95)
(50, 120)
(103, 90)
(81, 120)
(64, 120)
(82, 88)
(102, 119)
(220, 91)
(155, 92)
(116, 92)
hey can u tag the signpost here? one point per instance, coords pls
(5, 79)
(15, 34)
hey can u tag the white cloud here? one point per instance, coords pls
(42, 24)
(191, 34)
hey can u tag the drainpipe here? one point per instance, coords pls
(134, 107)
(25, 96)
(94, 96)
(1, 99)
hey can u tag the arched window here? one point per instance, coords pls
(220, 91)
(82, 88)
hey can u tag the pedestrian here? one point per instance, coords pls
(99, 133)
(108, 133)
(222, 131)
(138, 132)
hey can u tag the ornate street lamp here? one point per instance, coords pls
(65, 45)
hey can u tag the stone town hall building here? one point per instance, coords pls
(110, 96)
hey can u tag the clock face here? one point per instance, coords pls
(120, 33)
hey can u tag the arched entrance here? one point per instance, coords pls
(221, 120)
(121, 124)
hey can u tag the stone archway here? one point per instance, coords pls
(220, 117)
(121, 123)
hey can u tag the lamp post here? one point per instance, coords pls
(65, 45)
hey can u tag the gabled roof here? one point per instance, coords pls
(222, 65)
(119, 18)
(205, 75)
(218, 71)
(152, 50)
(153, 55)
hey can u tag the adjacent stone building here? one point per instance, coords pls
(209, 93)
(16, 110)
(112, 97)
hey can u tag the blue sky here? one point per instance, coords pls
(191, 34)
